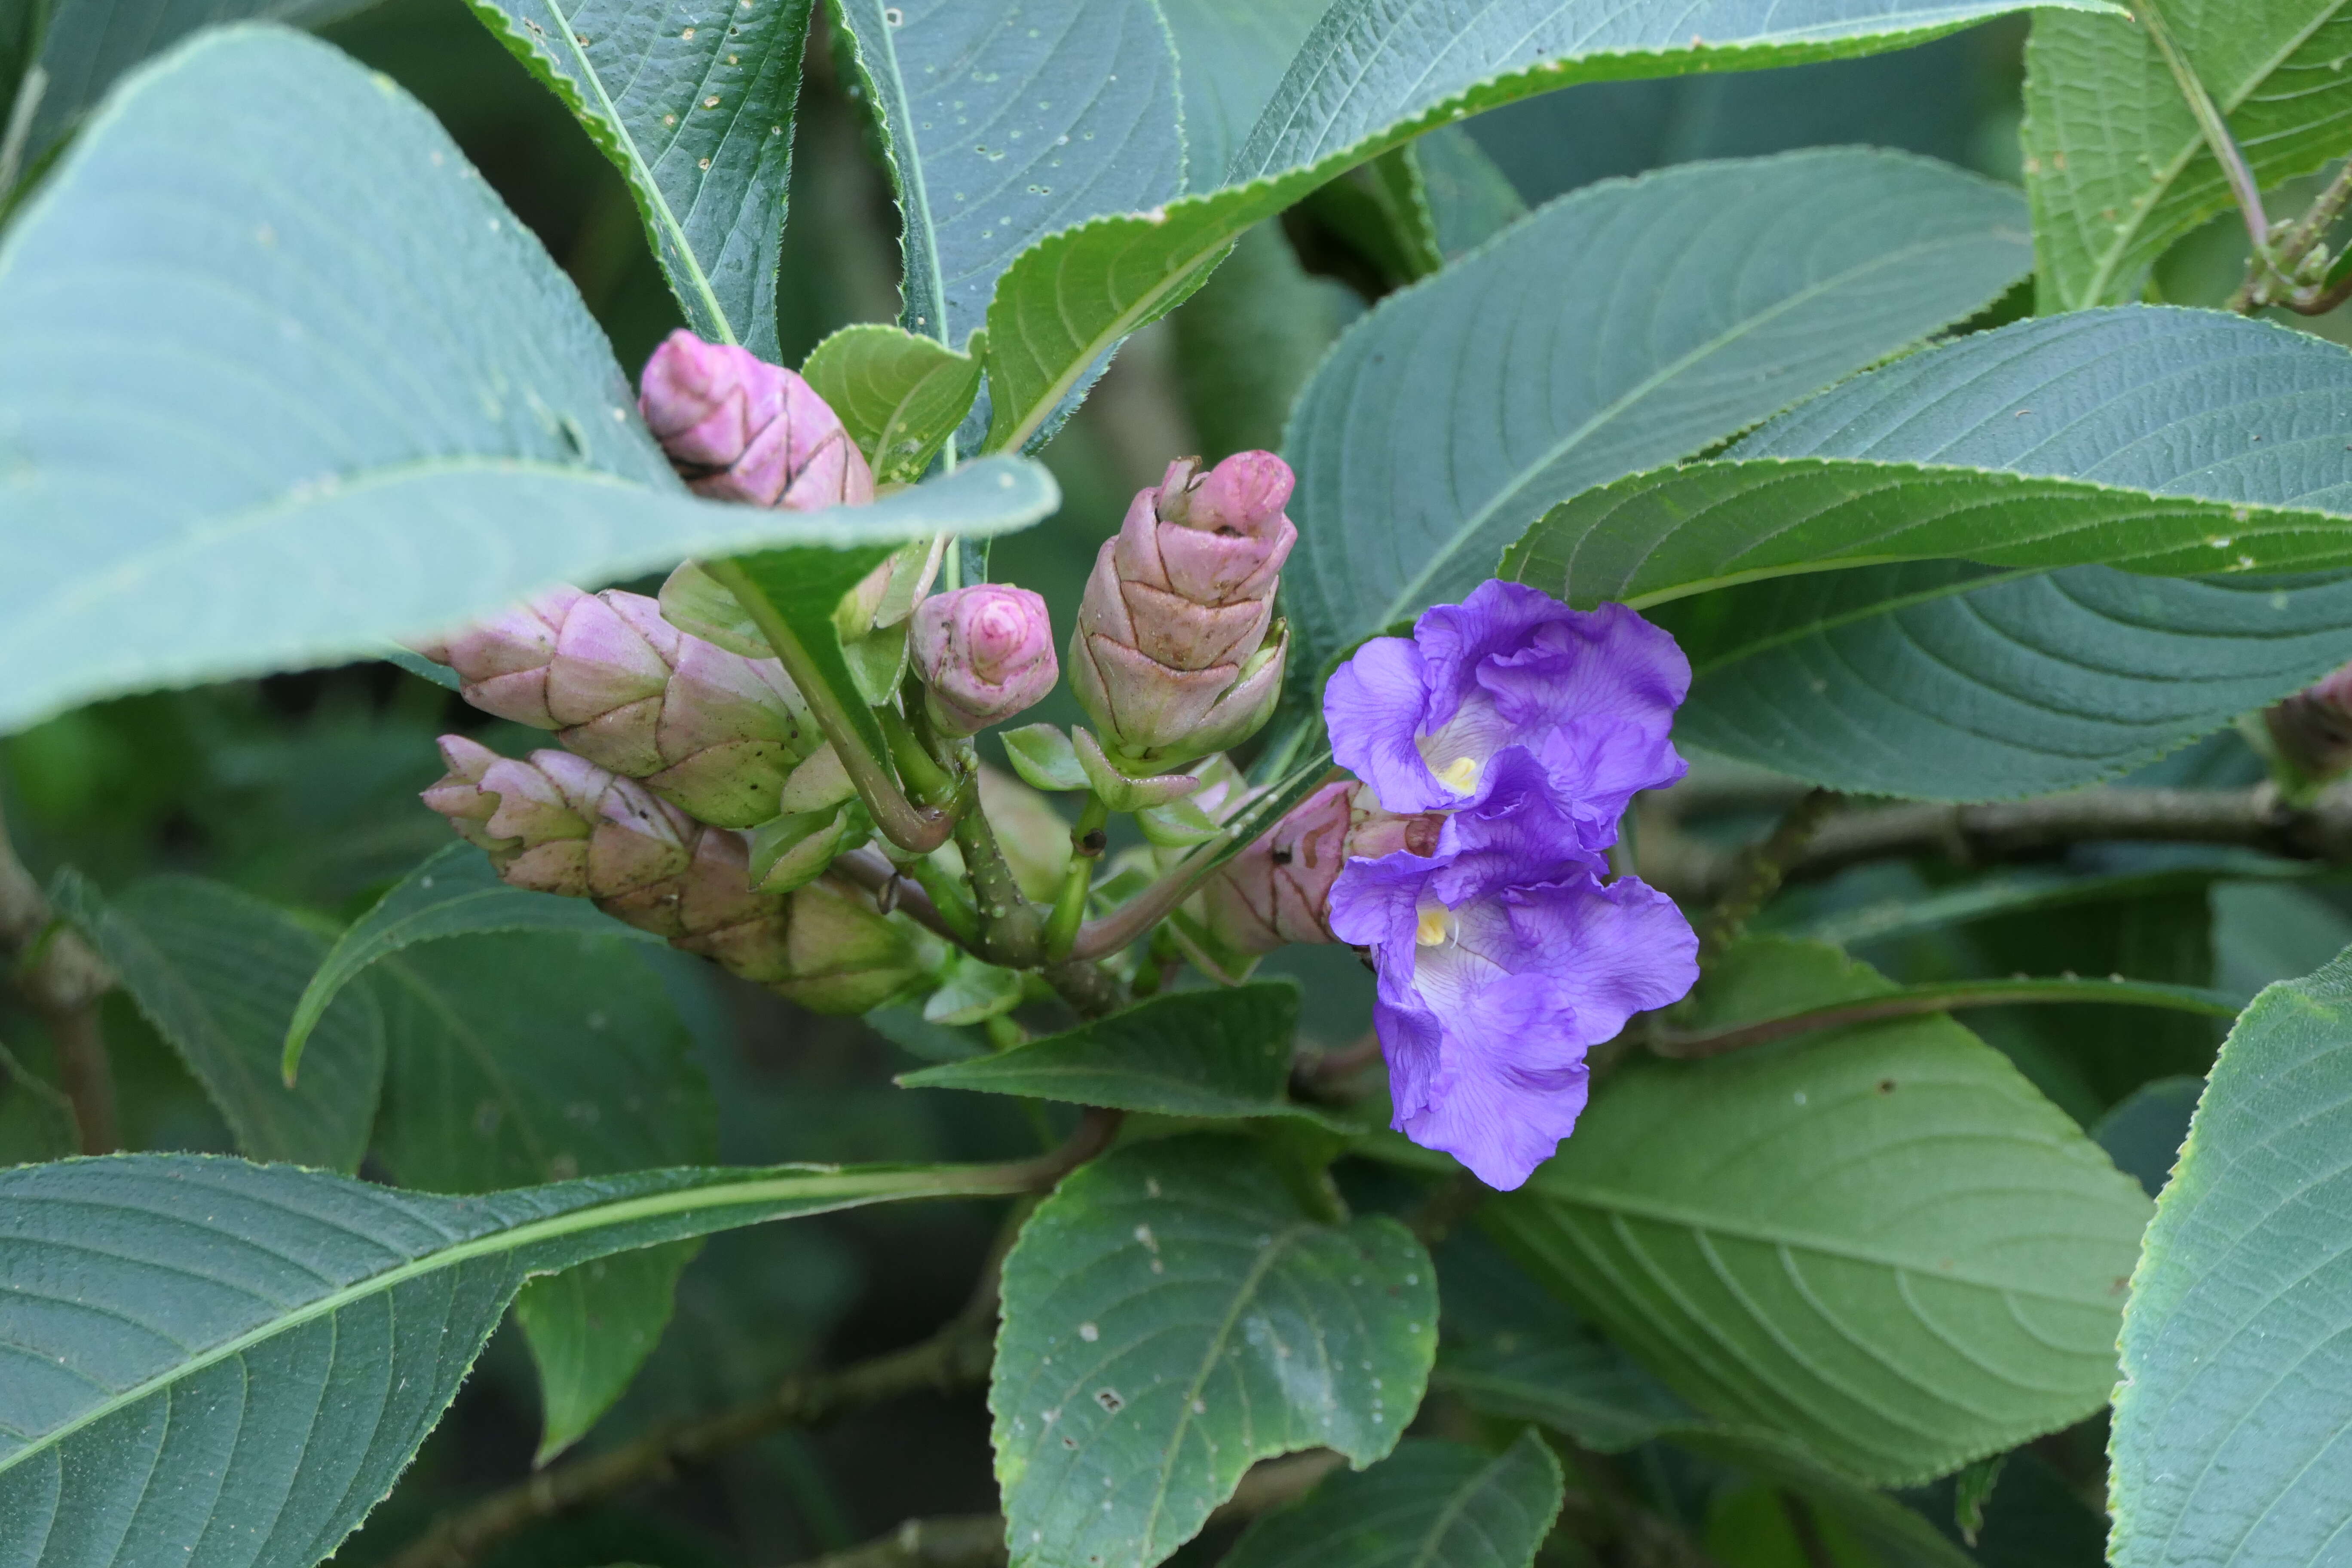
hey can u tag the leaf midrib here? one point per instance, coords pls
(960, 1181)
(1600, 417)
(641, 175)
(2161, 186)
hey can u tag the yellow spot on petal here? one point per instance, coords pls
(1460, 776)
(1435, 926)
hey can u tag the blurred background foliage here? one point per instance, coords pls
(302, 789)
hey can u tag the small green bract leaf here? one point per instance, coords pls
(1171, 1316)
(1044, 758)
(900, 395)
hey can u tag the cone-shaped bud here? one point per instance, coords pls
(1172, 656)
(2311, 731)
(738, 428)
(847, 957)
(555, 823)
(707, 729)
(1278, 890)
(984, 653)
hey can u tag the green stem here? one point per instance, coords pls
(915, 830)
(1697, 1045)
(955, 911)
(2216, 130)
(1086, 851)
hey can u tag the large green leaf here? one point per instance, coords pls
(1187, 1053)
(213, 461)
(1231, 55)
(2169, 441)
(542, 1056)
(694, 105)
(89, 45)
(1428, 1505)
(1946, 680)
(2229, 1426)
(218, 973)
(1002, 124)
(1171, 1315)
(457, 892)
(2114, 162)
(1880, 1242)
(224, 1365)
(900, 395)
(1372, 75)
(1624, 326)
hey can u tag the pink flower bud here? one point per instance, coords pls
(1172, 658)
(555, 823)
(985, 653)
(707, 729)
(739, 428)
(2311, 731)
(1278, 890)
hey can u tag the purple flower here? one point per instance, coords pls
(1502, 960)
(1590, 694)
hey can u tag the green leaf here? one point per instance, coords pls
(1942, 997)
(308, 481)
(2020, 891)
(1231, 55)
(89, 45)
(900, 395)
(1249, 340)
(2234, 1346)
(1568, 1378)
(1187, 1053)
(1044, 757)
(2175, 442)
(1950, 681)
(269, 1345)
(218, 973)
(457, 892)
(697, 118)
(1366, 80)
(2143, 1134)
(1470, 199)
(1002, 124)
(1881, 1243)
(36, 1120)
(1428, 1505)
(542, 1056)
(1621, 327)
(2114, 162)
(1171, 1316)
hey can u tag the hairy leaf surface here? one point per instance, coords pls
(2177, 442)
(1231, 56)
(1171, 1315)
(540, 1057)
(1622, 326)
(1881, 1243)
(218, 973)
(225, 1365)
(2115, 163)
(1429, 1505)
(1950, 681)
(1002, 124)
(693, 103)
(1372, 75)
(457, 892)
(2236, 1359)
(285, 478)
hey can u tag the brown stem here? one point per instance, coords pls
(871, 869)
(2255, 818)
(63, 980)
(2216, 131)
(1761, 867)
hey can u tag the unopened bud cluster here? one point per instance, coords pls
(695, 794)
